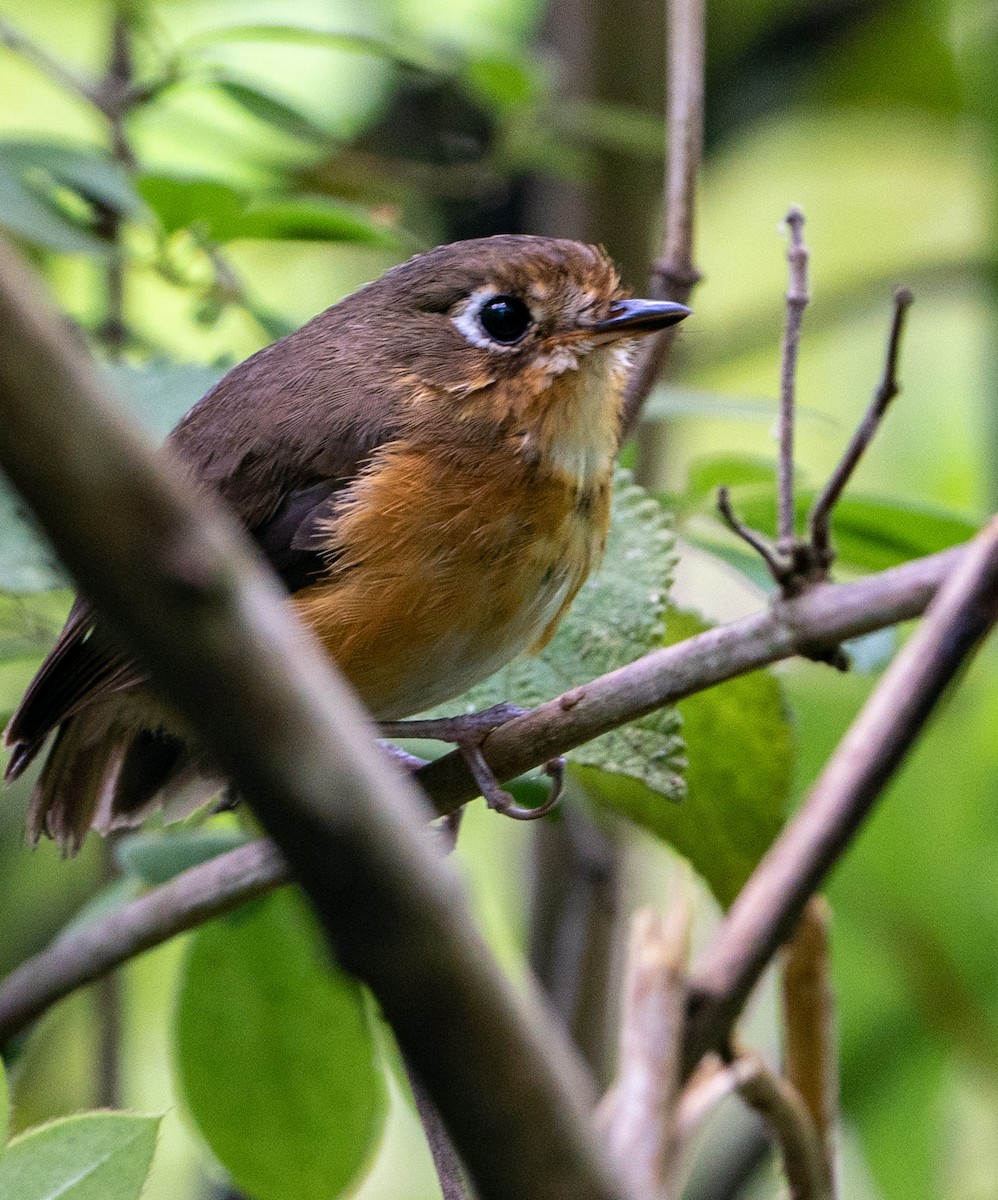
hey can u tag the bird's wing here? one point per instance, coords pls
(279, 440)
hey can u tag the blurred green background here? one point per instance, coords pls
(277, 170)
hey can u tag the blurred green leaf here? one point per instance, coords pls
(87, 171)
(225, 214)
(94, 1156)
(183, 202)
(315, 218)
(275, 1054)
(740, 759)
(157, 394)
(415, 57)
(616, 127)
(155, 858)
(270, 109)
(616, 617)
(502, 83)
(30, 215)
(4, 1108)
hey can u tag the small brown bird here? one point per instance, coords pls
(427, 467)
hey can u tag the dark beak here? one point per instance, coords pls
(632, 318)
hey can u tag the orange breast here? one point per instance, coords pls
(446, 571)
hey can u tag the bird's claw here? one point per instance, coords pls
(468, 732)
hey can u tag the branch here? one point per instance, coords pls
(30, 51)
(810, 1053)
(86, 953)
(636, 1115)
(771, 902)
(783, 1109)
(215, 631)
(797, 301)
(823, 616)
(675, 274)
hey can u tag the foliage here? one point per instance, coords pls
(94, 1156)
(275, 1054)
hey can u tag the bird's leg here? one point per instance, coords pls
(468, 732)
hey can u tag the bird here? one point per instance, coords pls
(427, 467)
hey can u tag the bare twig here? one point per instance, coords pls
(804, 1162)
(675, 275)
(778, 566)
(88, 952)
(445, 1159)
(215, 631)
(778, 1102)
(573, 921)
(30, 51)
(824, 616)
(797, 301)
(810, 1053)
(771, 902)
(636, 1114)
(820, 517)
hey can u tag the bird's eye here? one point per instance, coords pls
(505, 319)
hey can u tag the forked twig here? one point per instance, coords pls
(819, 520)
(781, 1106)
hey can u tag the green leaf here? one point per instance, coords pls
(154, 858)
(158, 394)
(224, 214)
(4, 1108)
(271, 109)
(740, 752)
(275, 1054)
(33, 217)
(95, 1156)
(87, 171)
(420, 59)
(183, 202)
(869, 532)
(314, 218)
(616, 617)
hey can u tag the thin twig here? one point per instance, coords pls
(86, 953)
(810, 1052)
(801, 1149)
(778, 1102)
(824, 616)
(674, 275)
(38, 56)
(779, 567)
(771, 902)
(446, 1162)
(636, 1114)
(797, 301)
(819, 520)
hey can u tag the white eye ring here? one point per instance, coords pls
(469, 320)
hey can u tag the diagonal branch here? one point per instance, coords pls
(825, 615)
(771, 903)
(215, 631)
